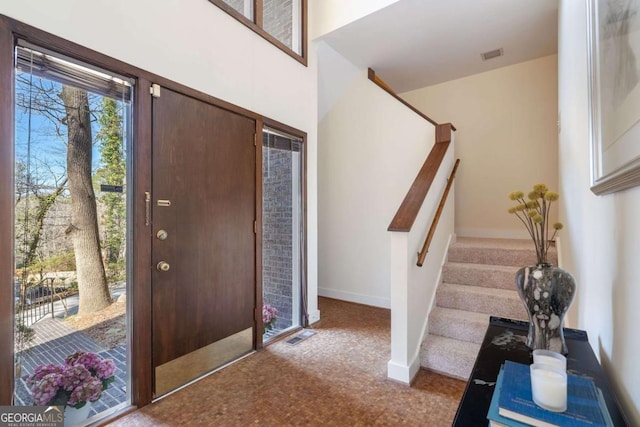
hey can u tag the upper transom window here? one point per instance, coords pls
(282, 22)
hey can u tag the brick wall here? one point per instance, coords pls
(277, 229)
(236, 4)
(277, 19)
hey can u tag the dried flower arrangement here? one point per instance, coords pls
(534, 214)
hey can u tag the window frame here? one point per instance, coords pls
(257, 26)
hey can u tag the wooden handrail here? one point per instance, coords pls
(377, 80)
(408, 210)
(425, 248)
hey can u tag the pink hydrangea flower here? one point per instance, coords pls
(81, 379)
(41, 371)
(73, 376)
(269, 316)
(46, 389)
(89, 360)
(105, 369)
(87, 391)
(269, 313)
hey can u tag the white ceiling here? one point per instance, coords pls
(416, 43)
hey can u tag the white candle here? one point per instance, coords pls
(549, 387)
(548, 357)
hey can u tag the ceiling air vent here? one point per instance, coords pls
(492, 54)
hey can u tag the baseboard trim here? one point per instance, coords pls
(314, 317)
(353, 297)
(414, 367)
(401, 373)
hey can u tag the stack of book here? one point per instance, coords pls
(512, 403)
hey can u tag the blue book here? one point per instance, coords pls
(516, 401)
(603, 408)
(495, 419)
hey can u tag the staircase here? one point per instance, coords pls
(478, 281)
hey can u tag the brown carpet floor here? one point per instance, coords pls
(338, 377)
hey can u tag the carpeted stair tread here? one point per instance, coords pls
(506, 252)
(488, 276)
(489, 243)
(458, 324)
(496, 302)
(478, 281)
(449, 356)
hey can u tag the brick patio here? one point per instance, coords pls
(54, 341)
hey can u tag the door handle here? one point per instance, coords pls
(162, 234)
(147, 208)
(163, 266)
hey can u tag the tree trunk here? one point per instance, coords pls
(92, 281)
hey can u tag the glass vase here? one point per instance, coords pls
(547, 292)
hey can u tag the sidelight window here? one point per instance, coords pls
(282, 233)
(71, 230)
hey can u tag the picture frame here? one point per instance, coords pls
(614, 95)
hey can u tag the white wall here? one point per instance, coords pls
(329, 15)
(506, 139)
(198, 45)
(335, 75)
(602, 240)
(370, 149)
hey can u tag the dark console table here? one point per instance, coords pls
(505, 340)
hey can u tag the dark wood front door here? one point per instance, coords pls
(203, 211)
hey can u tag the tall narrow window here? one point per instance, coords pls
(282, 233)
(72, 140)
